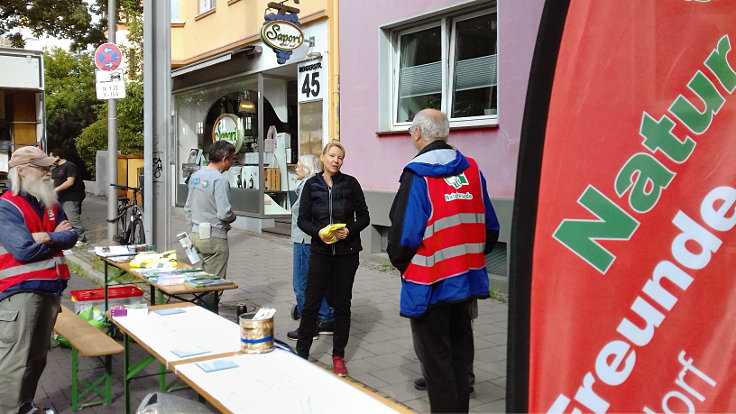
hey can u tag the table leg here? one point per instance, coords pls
(105, 286)
(126, 377)
(75, 397)
(130, 371)
(162, 377)
(153, 295)
(108, 379)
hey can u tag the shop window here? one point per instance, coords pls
(310, 128)
(260, 177)
(448, 63)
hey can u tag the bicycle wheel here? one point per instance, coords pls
(137, 235)
(122, 223)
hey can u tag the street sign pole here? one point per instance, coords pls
(112, 134)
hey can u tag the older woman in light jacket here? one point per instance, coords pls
(307, 167)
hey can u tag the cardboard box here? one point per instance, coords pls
(273, 179)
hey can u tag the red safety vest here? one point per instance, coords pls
(12, 271)
(455, 235)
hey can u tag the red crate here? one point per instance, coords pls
(117, 295)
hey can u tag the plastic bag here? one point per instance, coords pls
(163, 403)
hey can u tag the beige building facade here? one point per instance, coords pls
(228, 83)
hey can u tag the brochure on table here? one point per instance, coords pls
(125, 250)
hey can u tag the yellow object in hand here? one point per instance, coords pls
(329, 231)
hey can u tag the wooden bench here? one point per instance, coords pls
(88, 341)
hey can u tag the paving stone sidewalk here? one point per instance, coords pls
(379, 354)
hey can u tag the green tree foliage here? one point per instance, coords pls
(133, 15)
(130, 127)
(71, 102)
(64, 19)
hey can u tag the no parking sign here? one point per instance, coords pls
(108, 56)
(110, 81)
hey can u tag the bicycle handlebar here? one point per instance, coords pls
(125, 187)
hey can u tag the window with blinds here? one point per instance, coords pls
(474, 67)
(449, 65)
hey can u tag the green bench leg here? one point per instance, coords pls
(108, 380)
(105, 392)
(75, 362)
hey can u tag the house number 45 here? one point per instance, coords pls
(310, 86)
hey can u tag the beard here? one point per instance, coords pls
(42, 189)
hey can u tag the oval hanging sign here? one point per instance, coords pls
(282, 35)
(228, 127)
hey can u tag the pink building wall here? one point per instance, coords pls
(376, 160)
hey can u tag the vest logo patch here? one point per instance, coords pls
(51, 214)
(458, 196)
(457, 181)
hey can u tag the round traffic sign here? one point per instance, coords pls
(108, 56)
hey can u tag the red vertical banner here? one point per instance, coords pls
(632, 294)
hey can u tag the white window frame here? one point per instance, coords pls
(206, 5)
(175, 12)
(447, 26)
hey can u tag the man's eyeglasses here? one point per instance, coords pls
(44, 169)
(411, 128)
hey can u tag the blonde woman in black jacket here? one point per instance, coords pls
(331, 197)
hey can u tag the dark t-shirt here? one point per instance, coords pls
(60, 173)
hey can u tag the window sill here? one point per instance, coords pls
(177, 24)
(403, 131)
(232, 2)
(205, 14)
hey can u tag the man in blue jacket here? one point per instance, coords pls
(442, 225)
(34, 231)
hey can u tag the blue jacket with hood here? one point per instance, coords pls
(409, 214)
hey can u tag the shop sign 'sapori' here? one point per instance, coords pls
(282, 31)
(228, 128)
(283, 35)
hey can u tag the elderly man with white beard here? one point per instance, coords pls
(34, 231)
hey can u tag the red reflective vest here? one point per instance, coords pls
(455, 235)
(12, 271)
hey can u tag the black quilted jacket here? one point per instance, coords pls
(343, 203)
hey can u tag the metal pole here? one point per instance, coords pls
(112, 133)
(157, 143)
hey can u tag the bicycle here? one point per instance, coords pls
(129, 221)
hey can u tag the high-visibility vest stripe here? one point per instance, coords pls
(447, 253)
(49, 264)
(457, 219)
(452, 267)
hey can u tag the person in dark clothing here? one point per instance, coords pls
(442, 225)
(70, 188)
(331, 197)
